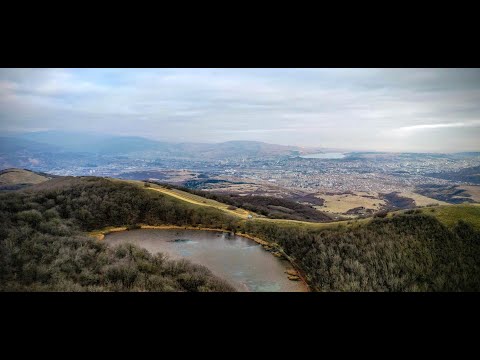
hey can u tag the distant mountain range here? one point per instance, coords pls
(47, 150)
(18, 144)
(83, 143)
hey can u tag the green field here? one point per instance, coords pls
(451, 214)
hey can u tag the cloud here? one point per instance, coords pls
(352, 108)
(438, 126)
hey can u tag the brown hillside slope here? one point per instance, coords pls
(20, 176)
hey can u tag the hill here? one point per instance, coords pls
(453, 194)
(12, 145)
(93, 143)
(271, 207)
(451, 215)
(113, 145)
(231, 149)
(12, 179)
(43, 243)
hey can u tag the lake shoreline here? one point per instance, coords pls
(100, 235)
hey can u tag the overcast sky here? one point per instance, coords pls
(364, 109)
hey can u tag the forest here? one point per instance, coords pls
(408, 252)
(43, 245)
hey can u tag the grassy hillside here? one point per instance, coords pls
(257, 206)
(451, 214)
(452, 194)
(43, 247)
(409, 252)
(12, 179)
(447, 214)
(20, 176)
(198, 200)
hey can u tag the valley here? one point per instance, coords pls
(356, 222)
(354, 185)
(401, 250)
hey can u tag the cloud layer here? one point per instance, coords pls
(375, 109)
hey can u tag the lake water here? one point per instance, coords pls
(324, 156)
(240, 261)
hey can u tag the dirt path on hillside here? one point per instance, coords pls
(188, 198)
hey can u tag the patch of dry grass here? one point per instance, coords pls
(341, 203)
(194, 199)
(421, 200)
(473, 190)
(19, 176)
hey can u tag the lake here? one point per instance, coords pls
(324, 156)
(242, 262)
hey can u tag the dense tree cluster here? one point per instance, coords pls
(95, 203)
(42, 247)
(404, 253)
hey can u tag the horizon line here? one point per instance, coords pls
(316, 147)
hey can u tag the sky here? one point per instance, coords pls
(435, 110)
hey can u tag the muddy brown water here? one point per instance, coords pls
(240, 261)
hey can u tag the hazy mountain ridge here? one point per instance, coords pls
(11, 145)
(53, 141)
